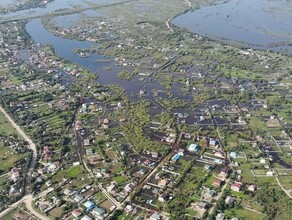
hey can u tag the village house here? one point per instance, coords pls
(163, 182)
(193, 148)
(15, 174)
(155, 216)
(230, 200)
(200, 205)
(164, 197)
(236, 186)
(217, 183)
(98, 213)
(252, 188)
(129, 187)
(89, 205)
(86, 217)
(76, 213)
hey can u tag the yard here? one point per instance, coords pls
(6, 128)
(7, 160)
(244, 213)
(286, 181)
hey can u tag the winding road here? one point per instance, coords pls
(27, 199)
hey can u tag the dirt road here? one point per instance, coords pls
(27, 199)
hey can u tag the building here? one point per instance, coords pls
(163, 182)
(155, 216)
(175, 157)
(76, 213)
(78, 198)
(236, 186)
(129, 187)
(98, 212)
(89, 205)
(230, 200)
(86, 217)
(208, 167)
(252, 188)
(201, 205)
(220, 216)
(233, 154)
(217, 183)
(193, 148)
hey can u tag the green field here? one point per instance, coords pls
(74, 171)
(6, 128)
(244, 214)
(7, 160)
(286, 181)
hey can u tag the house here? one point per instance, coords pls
(175, 157)
(233, 154)
(193, 148)
(230, 200)
(15, 174)
(78, 198)
(270, 173)
(214, 143)
(129, 208)
(217, 183)
(86, 217)
(98, 212)
(236, 186)
(129, 187)
(89, 205)
(163, 182)
(224, 172)
(49, 183)
(201, 205)
(164, 197)
(220, 154)
(154, 154)
(220, 216)
(252, 188)
(69, 192)
(154, 216)
(76, 213)
(208, 167)
(86, 142)
(218, 161)
(105, 123)
(12, 190)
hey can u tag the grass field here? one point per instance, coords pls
(74, 171)
(7, 160)
(191, 212)
(286, 181)
(6, 128)
(120, 179)
(244, 214)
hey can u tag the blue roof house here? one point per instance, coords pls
(175, 157)
(89, 205)
(194, 147)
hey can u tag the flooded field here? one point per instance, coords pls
(260, 24)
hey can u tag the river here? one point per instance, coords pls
(258, 24)
(64, 48)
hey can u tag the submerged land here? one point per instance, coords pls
(110, 111)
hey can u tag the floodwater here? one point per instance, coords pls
(65, 48)
(258, 24)
(54, 6)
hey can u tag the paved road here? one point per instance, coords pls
(27, 199)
